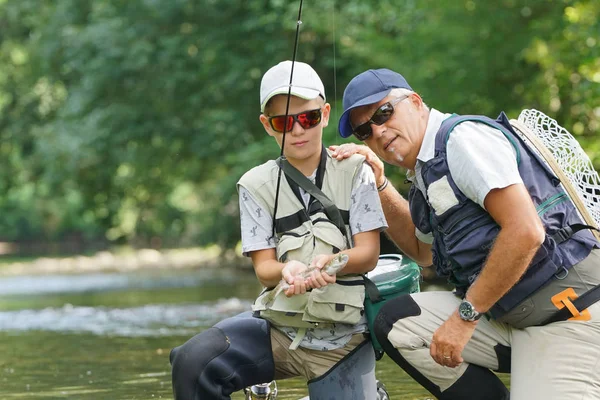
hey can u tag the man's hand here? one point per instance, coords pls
(450, 339)
(319, 278)
(347, 149)
(291, 273)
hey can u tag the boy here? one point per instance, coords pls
(318, 320)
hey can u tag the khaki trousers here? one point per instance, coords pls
(305, 362)
(557, 361)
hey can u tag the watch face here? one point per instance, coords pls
(466, 310)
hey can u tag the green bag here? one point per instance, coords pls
(394, 275)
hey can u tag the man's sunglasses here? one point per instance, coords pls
(379, 117)
(307, 119)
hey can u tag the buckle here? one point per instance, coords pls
(565, 299)
(562, 234)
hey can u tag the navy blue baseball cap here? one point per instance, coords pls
(366, 88)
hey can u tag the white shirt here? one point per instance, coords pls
(480, 158)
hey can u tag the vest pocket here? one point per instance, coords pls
(291, 241)
(284, 311)
(336, 303)
(461, 230)
(330, 235)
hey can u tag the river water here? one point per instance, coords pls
(108, 336)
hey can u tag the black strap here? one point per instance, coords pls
(330, 208)
(581, 303)
(567, 232)
(372, 291)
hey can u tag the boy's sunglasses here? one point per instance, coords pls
(306, 119)
(379, 117)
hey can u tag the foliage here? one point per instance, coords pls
(133, 120)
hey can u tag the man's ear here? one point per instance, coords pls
(416, 100)
(264, 120)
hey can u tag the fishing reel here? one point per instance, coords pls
(261, 391)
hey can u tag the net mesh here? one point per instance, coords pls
(569, 155)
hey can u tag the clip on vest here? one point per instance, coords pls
(567, 232)
(581, 304)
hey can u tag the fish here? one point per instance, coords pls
(331, 268)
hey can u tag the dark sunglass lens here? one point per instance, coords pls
(278, 123)
(382, 114)
(309, 119)
(363, 132)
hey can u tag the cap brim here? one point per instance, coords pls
(303, 93)
(344, 127)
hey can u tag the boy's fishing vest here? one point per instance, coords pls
(464, 234)
(302, 234)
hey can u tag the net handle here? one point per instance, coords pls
(543, 150)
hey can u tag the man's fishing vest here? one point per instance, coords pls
(303, 233)
(464, 233)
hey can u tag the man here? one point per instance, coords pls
(287, 227)
(504, 233)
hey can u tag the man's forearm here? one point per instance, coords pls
(508, 260)
(401, 228)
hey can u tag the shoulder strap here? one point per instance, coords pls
(330, 208)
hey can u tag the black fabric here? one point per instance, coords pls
(351, 282)
(476, 383)
(187, 360)
(321, 169)
(317, 207)
(581, 303)
(291, 222)
(394, 309)
(371, 290)
(226, 358)
(503, 354)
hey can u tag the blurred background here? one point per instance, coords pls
(126, 124)
(129, 122)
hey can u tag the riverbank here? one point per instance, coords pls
(126, 261)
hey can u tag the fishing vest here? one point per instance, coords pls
(301, 234)
(464, 233)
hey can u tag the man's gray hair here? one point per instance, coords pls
(399, 92)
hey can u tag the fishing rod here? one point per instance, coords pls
(287, 109)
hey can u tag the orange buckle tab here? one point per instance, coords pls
(564, 299)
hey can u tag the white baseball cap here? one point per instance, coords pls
(306, 83)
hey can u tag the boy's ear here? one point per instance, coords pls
(325, 115)
(264, 120)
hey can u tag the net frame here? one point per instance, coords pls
(564, 155)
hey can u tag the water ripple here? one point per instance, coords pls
(51, 284)
(148, 320)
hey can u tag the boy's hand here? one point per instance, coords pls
(291, 273)
(319, 278)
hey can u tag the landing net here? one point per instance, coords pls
(568, 155)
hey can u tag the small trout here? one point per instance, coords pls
(331, 268)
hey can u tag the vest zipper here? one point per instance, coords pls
(551, 202)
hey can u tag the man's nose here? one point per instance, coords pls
(378, 129)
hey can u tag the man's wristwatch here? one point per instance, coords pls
(467, 312)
